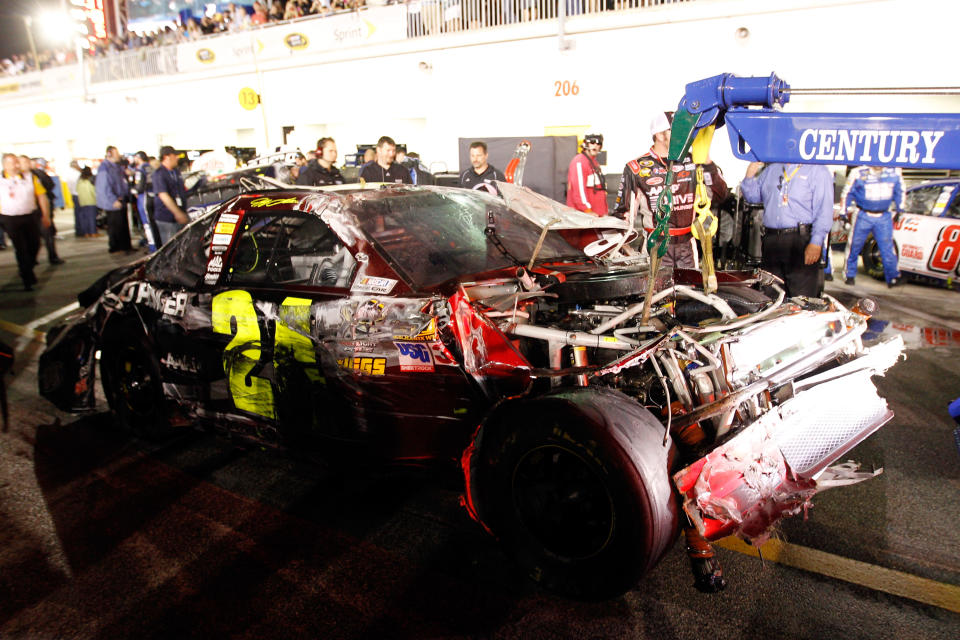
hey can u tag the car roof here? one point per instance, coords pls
(933, 183)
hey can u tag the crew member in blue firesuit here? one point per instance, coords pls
(873, 190)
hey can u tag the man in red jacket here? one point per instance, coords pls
(586, 189)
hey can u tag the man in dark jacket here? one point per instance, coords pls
(384, 169)
(320, 171)
(480, 172)
(112, 191)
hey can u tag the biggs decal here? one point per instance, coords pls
(368, 366)
(854, 146)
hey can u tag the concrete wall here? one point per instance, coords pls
(431, 91)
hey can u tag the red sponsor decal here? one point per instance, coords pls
(912, 251)
(654, 181)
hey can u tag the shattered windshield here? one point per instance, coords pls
(435, 235)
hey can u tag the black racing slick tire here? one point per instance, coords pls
(872, 262)
(133, 385)
(575, 486)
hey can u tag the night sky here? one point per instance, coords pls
(13, 34)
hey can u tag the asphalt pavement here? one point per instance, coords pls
(103, 535)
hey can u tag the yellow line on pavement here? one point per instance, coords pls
(19, 330)
(898, 583)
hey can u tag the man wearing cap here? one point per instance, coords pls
(320, 171)
(643, 179)
(797, 215)
(170, 196)
(20, 195)
(586, 188)
(112, 191)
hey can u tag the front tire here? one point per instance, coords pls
(133, 385)
(578, 492)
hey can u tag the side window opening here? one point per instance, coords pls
(289, 248)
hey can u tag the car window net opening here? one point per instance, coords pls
(434, 237)
(182, 261)
(289, 248)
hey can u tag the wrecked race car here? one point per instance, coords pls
(501, 335)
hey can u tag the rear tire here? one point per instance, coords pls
(578, 493)
(133, 385)
(872, 262)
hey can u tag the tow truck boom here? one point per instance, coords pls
(760, 131)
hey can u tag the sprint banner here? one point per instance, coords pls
(371, 26)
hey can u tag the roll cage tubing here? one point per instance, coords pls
(767, 134)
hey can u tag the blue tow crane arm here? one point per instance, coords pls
(760, 131)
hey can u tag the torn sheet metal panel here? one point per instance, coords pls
(769, 471)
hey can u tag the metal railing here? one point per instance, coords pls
(424, 18)
(431, 17)
(130, 65)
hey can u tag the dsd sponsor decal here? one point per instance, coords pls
(855, 146)
(654, 181)
(645, 163)
(272, 202)
(414, 356)
(225, 227)
(368, 366)
(167, 302)
(644, 173)
(683, 174)
(206, 56)
(374, 285)
(228, 217)
(296, 41)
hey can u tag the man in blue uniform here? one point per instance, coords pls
(797, 215)
(873, 190)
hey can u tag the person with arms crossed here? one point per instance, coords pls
(797, 204)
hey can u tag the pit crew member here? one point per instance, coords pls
(586, 188)
(873, 190)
